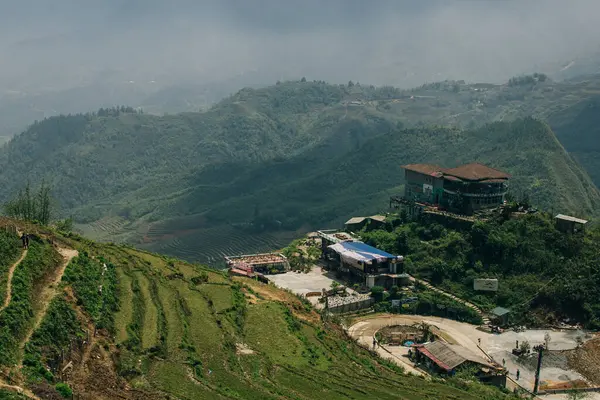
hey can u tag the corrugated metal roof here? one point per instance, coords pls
(379, 218)
(427, 169)
(572, 219)
(355, 220)
(476, 172)
(472, 171)
(500, 311)
(449, 356)
(360, 251)
(452, 178)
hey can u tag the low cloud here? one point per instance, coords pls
(65, 43)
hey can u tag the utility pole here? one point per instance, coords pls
(540, 349)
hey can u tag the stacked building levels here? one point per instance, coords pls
(369, 265)
(464, 189)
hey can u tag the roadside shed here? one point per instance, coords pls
(500, 316)
(377, 221)
(446, 358)
(569, 224)
(355, 224)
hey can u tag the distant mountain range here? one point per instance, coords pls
(267, 163)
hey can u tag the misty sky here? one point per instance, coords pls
(64, 43)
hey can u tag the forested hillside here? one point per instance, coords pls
(361, 180)
(294, 156)
(545, 276)
(578, 128)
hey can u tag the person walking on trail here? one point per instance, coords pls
(27, 241)
(518, 374)
(374, 343)
(24, 240)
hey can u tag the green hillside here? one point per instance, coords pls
(263, 164)
(578, 128)
(162, 328)
(527, 255)
(359, 181)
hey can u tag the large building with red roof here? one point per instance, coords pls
(466, 188)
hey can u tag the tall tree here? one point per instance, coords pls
(31, 207)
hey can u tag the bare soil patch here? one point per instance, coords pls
(586, 360)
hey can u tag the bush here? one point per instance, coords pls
(64, 390)
(378, 293)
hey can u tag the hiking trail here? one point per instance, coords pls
(11, 271)
(17, 389)
(49, 292)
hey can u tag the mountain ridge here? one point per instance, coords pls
(277, 160)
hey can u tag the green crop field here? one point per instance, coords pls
(149, 326)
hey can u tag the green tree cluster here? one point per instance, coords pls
(29, 206)
(544, 275)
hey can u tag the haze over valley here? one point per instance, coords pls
(77, 56)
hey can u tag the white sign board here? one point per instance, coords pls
(487, 285)
(427, 189)
(395, 303)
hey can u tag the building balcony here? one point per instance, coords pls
(494, 193)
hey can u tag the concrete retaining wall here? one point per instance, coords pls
(357, 305)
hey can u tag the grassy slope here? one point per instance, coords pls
(578, 128)
(18, 317)
(294, 355)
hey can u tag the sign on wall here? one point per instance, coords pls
(395, 303)
(487, 285)
(427, 189)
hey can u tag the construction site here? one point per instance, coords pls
(569, 361)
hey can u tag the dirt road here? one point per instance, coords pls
(462, 333)
(11, 272)
(363, 331)
(499, 347)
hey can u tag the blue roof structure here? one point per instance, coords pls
(361, 251)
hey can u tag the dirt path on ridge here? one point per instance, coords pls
(48, 293)
(19, 390)
(11, 272)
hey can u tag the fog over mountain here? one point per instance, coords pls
(62, 44)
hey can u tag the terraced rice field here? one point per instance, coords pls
(187, 238)
(104, 229)
(180, 338)
(125, 313)
(220, 295)
(210, 245)
(150, 327)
